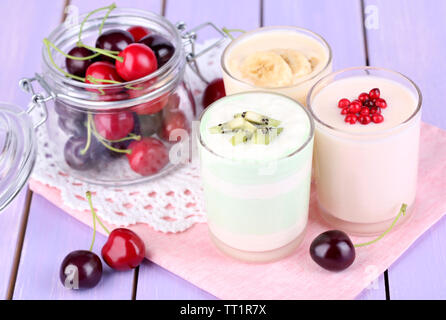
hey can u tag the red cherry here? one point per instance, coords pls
(355, 107)
(364, 111)
(174, 119)
(351, 118)
(148, 156)
(114, 126)
(343, 103)
(377, 118)
(374, 93)
(345, 111)
(139, 61)
(363, 97)
(365, 119)
(138, 32)
(381, 103)
(214, 91)
(123, 250)
(102, 70)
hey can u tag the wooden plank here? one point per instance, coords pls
(21, 43)
(88, 5)
(51, 234)
(409, 39)
(339, 22)
(155, 282)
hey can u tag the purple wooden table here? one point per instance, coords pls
(406, 35)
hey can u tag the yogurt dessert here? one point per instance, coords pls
(285, 60)
(366, 147)
(256, 155)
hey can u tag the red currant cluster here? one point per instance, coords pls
(365, 109)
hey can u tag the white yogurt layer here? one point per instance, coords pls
(401, 103)
(294, 119)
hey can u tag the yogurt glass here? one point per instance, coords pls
(257, 196)
(272, 38)
(364, 173)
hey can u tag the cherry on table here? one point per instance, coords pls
(114, 126)
(333, 250)
(124, 250)
(162, 47)
(148, 156)
(80, 269)
(138, 32)
(78, 67)
(214, 91)
(138, 61)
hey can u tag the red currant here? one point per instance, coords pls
(343, 103)
(381, 103)
(114, 126)
(374, 110)
(365, 119)
(148, 156)
(355, 107)
(364, 111)
(363, 97)
(374, 93)
(138, 62)
(377, 118)
(351, 118)
(346, 111)
(138, 32)
(369, 104)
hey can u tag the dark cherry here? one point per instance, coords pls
(214, 91)
(124, 250)
(162, 47)
(73, 156)
(114, 40)
(333, 250)
(78, 67)
(80, 269)
(150, 123)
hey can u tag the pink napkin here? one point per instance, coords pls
(192, 256)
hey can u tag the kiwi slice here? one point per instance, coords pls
(256, 118)
(241, 136)
(266, 135)
(232, 126)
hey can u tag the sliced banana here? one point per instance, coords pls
(267, 69)
(298, 62)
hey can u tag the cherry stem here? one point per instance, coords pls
(402, 212)
(229, 31)
(110, 8)
(103, 140)
(93, 212)
(104, 52)
(87, 145)
(95, 217)
(48, 47)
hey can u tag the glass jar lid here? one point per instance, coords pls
(17, 151)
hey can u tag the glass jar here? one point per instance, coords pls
(365, 173)
(158, 107)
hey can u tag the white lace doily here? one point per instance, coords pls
(171, 203)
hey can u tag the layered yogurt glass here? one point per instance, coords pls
(364, 173)
(257, 195)
(281, 59)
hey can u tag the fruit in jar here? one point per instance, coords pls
(76, 155)
(162, 47)
(80, 269)
(114, 40)
(173, 120)
(67, 112)
(138, 62)
(71, 126)
(214, 91)
(124, 250)
(114, 126)
(138, 32)
(102, 70)
(333, 250)
(150, 123)
(78, 67)
(148, 156)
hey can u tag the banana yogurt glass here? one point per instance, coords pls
(281, 59)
